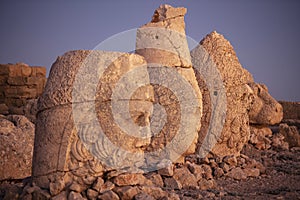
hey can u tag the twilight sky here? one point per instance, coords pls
(264, 33)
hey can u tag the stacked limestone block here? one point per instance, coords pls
(162, 42)
(18, 84)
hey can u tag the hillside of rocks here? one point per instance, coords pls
(163, 122)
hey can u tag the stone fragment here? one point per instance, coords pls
(130, 179)
(237, 173)
(254, 172)
(172, 183)
(225, 167)
(218, 172)
(291, 135)
(77, 187)
(265, 109)
(167, 169)
(108, 185)
(253, 164)
(230, 160)
(206, 171)
(74, 196)
(98, 184)
(92, 194)
(57, 187)
(185, 178)
(143, 196)
(156, 180)
(109, 195)
(221, 76)
(278, 142)
(206, 184)
(126, 192)
(43, 194)
(163, 40)
(155, 192)
(172, 196)
(16, 149)
(260, 137)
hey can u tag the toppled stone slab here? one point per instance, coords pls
(16, 149)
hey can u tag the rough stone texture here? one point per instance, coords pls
(163, 40)
(109, 195)
(16, 149)
(237, 173)
(260, 137)
(18, 84)
(291, 110)
(216, 51)
(58, 150)
(291, 113)
(127, 192)
(163, 44)
(265, 109)
(291, 135)
(130, 179)
(185, 178)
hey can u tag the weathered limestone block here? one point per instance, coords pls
(216, 59)
(163, 40)
(163, 44)
(265, 109)
(16, 149)
(19, 83)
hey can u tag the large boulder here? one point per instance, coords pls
(221, 70)
(16, 149)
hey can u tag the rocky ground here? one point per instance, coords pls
(279, 178)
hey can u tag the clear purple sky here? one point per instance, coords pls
(264, 33)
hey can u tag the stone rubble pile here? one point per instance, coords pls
(16, 149)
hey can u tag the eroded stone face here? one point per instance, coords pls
(16, 139)
(66, 132)
(265, 109)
